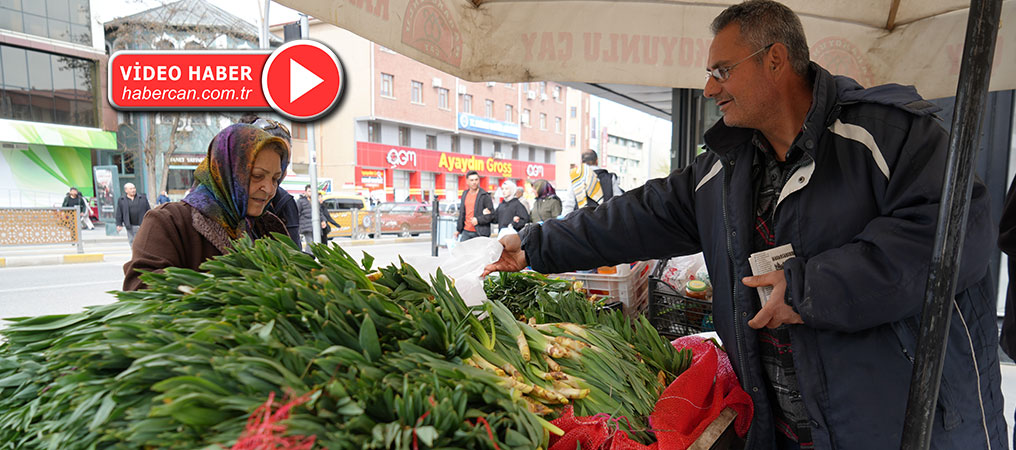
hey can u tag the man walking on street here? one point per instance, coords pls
(306, 220)
(476, 210)
(130, 210)
(852, 179)
(591, 185)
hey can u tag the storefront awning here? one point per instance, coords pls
(21, 132)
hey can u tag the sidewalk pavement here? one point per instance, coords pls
(96, 246)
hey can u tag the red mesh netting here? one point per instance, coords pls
(264, 432)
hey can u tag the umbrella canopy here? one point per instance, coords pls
(663, 42)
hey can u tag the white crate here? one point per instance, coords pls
(631, 288)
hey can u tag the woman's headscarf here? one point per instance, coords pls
(222, 179)
(544, 189)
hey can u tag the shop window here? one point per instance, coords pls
(456, 144)
(431, 142)
(515, 151)
(532, 154)
(442, 98)
(404, 136)
(387, 83)
(124, 163)
(299, 130)
(374, 132)
(417, 92)
(477, 146)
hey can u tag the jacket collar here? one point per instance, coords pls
(721, 138)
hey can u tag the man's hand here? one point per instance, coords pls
(118, 228)
(474, 221)
(456, 235)
(322, 224)
(775, 312)
(513, 259)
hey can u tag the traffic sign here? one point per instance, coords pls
(302, 80)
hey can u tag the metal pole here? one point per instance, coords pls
(263, 36)
(315, 205)
(975, 71)
(434, 217)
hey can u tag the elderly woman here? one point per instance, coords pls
(232, 186)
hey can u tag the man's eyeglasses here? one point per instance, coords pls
(269, 125)
(721, 74)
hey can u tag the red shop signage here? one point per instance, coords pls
(369, 154)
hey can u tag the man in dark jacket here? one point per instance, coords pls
(511, 213)
(75, 200)
(851, 178)
(476, 210)
(130, 210)
(306, 221)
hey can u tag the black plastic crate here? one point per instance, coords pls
(673, 314)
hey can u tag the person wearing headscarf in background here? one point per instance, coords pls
(283, 205)
(512, 214)
(232, 187)
(547, 205)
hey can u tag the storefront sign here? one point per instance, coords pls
(488, 126)
(186, 160)
(377, 156)
(372, 178)
(401, 158)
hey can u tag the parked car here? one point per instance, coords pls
(402, 218)
(341, 207)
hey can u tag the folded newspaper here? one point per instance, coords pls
(769, 261)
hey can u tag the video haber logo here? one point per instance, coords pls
(301, 80)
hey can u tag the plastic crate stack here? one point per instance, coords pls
(629, 286)
(673, 314)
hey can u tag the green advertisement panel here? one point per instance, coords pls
(46, 169)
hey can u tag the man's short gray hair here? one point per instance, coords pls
(128, 185)
(765, 22)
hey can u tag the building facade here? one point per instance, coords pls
(54, 123)
(406, 131)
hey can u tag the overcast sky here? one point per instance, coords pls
(249, 10)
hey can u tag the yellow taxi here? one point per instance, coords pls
(341, 207)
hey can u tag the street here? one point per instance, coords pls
(68, 288)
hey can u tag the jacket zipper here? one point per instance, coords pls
(738, 336)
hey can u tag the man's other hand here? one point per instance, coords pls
(775, 312)
(513, 259)
(474, 221)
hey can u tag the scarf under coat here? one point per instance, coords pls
(585, 185)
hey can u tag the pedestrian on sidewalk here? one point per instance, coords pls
(75, 200)
(163, 198)
(130, 211)
(233, 185)
(306, 218)
(326, 218)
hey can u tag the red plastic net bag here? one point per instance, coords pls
(265, 432)
(696, 398)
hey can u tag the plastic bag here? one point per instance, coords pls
(681, 269)
(464, 264)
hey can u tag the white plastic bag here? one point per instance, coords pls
(681, 269)
(464, 264)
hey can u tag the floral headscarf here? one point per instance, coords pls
(222, 179)
(544, 189)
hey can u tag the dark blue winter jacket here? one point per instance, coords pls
(861, 216)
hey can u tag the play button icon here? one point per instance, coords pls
(302, 80)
